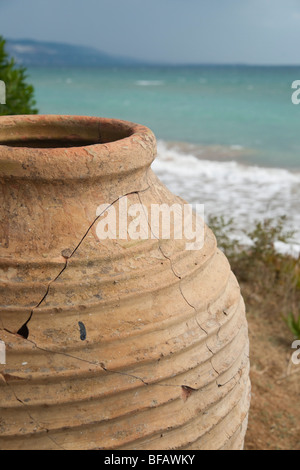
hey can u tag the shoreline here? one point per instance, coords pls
(223, 153)
(230, 188)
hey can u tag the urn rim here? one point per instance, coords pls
(68, 147)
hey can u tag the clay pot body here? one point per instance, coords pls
(110, 344)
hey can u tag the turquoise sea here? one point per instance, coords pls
(228, 136)
(241, 106)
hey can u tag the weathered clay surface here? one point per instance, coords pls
(114, 344)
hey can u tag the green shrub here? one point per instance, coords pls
(266, 234)
(260, 253)
(223, 230)
(19, 95)
(294, 324)
(271, 280)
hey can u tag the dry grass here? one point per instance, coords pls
(274, 421)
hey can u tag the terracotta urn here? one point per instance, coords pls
(112, 342)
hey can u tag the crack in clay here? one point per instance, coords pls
(236, 381)
(24, 331)
(225, 383)
(67, 256)
(218, 373)
(41, 428)
(182, 294)
(184, 297)
(177, 275)
(187, 392)
(104, 368)
(173, 270)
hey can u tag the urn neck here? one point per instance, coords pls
(62, 148)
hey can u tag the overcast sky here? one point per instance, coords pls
(173, 31)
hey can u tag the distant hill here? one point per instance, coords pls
(28, 52)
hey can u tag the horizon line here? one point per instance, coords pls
(147, 63)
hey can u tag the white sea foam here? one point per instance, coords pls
(229, 188)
